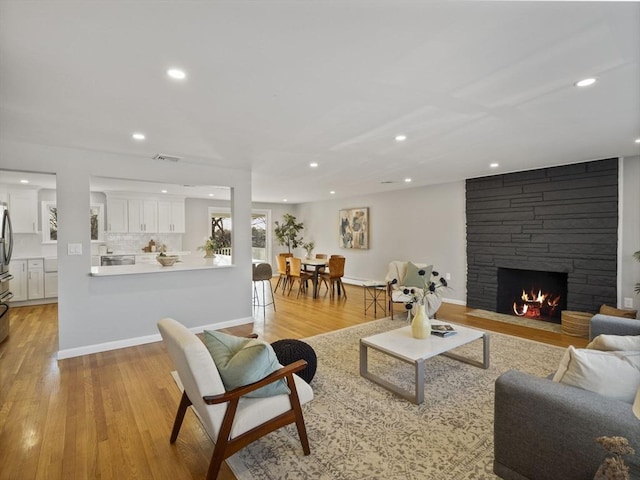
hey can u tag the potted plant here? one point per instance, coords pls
(209, 247)
(287, 232)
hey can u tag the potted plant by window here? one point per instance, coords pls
(287, 232)
(209, 247)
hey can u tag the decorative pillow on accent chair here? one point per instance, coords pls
(242, 361)
(611, 374)
(413, 277)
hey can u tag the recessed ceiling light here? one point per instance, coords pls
(401, 138)
(332, 192)
(494, 165)
(176, 73)
(212, 195)
(637, 140)
(138, 136)
(24, 181)
(284, 200)
(407, 180)
(163, 191)
(585, 82)
(313, 164)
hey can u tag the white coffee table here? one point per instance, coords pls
(400, 344)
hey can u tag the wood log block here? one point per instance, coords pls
(576, 324)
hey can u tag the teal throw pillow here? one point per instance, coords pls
(242, 361)
(413, 279)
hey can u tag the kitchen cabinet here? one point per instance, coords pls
(171, 217)
(35, 270)
(28, 279)
(117, 215)
(50, 277)
(23, 205)
(143, 216)
(19, 283)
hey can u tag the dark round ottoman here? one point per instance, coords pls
(290, 350)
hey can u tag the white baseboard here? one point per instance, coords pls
(132, 342)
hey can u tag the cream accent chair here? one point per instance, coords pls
(230, 419)
(395, 291)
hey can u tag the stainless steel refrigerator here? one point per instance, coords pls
(6, 248)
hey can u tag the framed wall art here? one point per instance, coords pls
(354, 228)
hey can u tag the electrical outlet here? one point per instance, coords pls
(628, 302)
(447, 276)
(74, 249)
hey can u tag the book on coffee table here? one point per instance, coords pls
(443, 330)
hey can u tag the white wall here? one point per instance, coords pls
(629, 273)
(420, 224)
(99, 313)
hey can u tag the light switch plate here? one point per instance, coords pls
(74, 249)
(628, 302)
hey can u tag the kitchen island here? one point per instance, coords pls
(188, 262)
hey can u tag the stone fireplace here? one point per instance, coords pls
(561, 220)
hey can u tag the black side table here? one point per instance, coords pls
(290, 350)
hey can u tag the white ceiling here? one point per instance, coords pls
(275, 85)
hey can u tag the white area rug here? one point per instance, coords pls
(525, 322)
(358, 430)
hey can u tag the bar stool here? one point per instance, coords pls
(262, 273)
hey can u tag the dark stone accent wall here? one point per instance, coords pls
(559, 219)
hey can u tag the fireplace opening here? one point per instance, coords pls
(532, 294)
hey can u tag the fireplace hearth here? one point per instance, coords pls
(533, 294)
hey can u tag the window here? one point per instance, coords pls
(221, 229)
(50, 222)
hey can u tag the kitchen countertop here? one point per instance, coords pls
(139, 254)
(186, 263)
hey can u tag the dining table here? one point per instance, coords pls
(316, 264)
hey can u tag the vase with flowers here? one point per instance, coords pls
(209, 247)
(424, 302)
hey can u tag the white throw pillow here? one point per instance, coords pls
(611, 374)
(615, 342)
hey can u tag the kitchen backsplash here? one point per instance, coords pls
(135, 242)
(30, 245)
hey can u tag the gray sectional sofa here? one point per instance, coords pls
(546, 430)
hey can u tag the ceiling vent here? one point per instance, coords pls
(166, 158)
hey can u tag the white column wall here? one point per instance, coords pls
(100, 313)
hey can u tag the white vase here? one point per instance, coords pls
(420, 325)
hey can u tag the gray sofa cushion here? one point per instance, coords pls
(612, 326)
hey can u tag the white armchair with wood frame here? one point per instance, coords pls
(231, 419)
(402, 276)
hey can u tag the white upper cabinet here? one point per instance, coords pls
(171, 216)
(117, 215)
(23, 205)
(143, 216)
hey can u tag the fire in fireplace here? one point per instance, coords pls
(532, 294)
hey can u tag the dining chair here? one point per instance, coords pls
(297, 274)
(283, 272)
(334, 275)
(322, 256)
(231, 420)
(262, 273)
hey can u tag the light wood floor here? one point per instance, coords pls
(109, 415)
